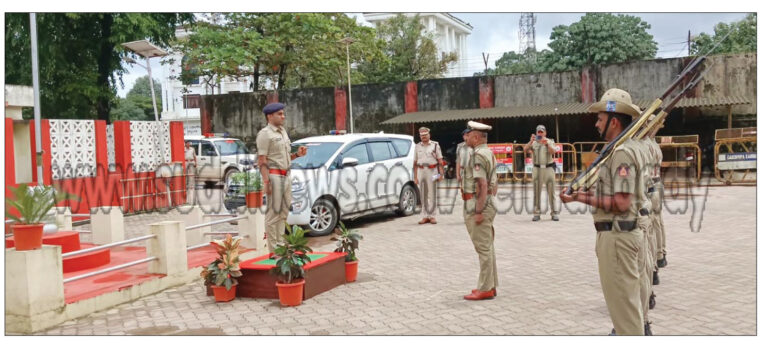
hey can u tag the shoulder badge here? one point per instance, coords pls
(623, 170)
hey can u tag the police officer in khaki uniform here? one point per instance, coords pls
(274, 163)
(426, 167)
(620, 244)
(463, 152)
(479, 185)
(543, 149)
(655, 195)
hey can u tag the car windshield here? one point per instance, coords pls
(231, 147)
(317, 154)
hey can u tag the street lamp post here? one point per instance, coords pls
(148, 50)
(347, 41)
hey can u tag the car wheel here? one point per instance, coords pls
(323, 218)
(227, 175)
(407, 203)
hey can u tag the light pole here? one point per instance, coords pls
(347, 41)
(148, 50)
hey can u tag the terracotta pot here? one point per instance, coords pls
(253, 199)
(28, 237)
(221, 294)
(350, 269)
(291, 294)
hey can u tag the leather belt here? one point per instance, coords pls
(467, 196)
(623, 226)
(546, 166)
(427, 166)
(644, 212)
(278, 171)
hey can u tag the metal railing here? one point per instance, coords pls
(215, 222)
(207, 244)
(107, 246)
(107, 270)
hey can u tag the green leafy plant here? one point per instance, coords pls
(291, 255)
(250, 180)
(33, 203)
(225, 268)
(347, 240)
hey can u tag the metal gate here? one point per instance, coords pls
(736, 155)
(681, 164)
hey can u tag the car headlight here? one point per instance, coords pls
(298, 186)
(246, 162)
(297, 206)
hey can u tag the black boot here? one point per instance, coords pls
(613, 332)
(662, 262)
(652, 301)
(656, 277)
(648, 329)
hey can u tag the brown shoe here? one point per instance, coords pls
(432, 221)
(423, 221)
(479, 295)
(492, 290)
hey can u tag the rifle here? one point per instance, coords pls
(640, 126)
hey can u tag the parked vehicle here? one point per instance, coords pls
(347, 176)
(218, 158)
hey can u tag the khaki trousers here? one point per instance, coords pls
(658, 222)
(543, 176)
(428, 192)
(646, 263)
(277, 209)
(482, 237)
(619, 258)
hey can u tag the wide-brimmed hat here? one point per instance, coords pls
(615, 101)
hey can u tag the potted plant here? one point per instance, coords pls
(348, 241)
(250, 182)
(291, 256)
(221, 274)
(32, 205)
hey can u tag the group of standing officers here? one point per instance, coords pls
(630, 235)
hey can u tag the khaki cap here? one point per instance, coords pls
(423, 129)
(615, 101)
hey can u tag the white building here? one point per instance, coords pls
(174, 92)
(450, 34)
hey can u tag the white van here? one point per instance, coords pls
(351, 175)
(218, 158)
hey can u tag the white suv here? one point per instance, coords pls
(351, 175)
(218, 158)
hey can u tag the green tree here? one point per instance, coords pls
(80, 56)
(742, 39)
(286, 49)
(409, 53)
(598, 38)
(125, 109)
(514, 63)
(137, 104)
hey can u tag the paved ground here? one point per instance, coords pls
(412, 278)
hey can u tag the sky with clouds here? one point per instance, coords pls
(496, 33)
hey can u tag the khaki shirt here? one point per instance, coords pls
(463, 151)
(541, 155)
(658, 157)
(273, 142)
(482, 164)
(189, 154)
(428, 154)
(622, 173)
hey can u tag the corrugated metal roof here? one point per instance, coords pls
(544, 110)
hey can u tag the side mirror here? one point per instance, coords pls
(349, 162)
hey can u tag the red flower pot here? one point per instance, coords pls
(28, 237)
(291, 294)
(350, 270)
(221, 294)
(253, 199)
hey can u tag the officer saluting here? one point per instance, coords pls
(478, 186)
(426, 166)
(274, 162)
(620, 243)
(543, 170)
